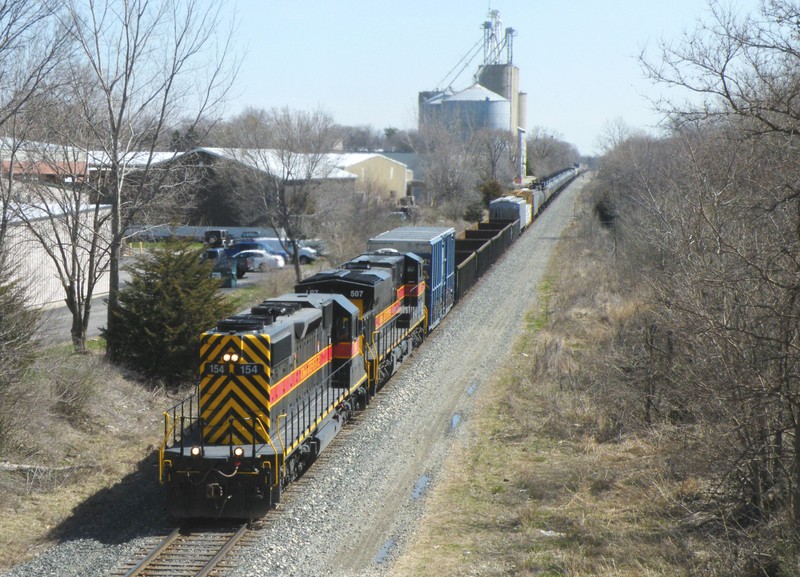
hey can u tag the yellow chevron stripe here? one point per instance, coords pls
(232, 390)
(217, 428)
(209, 343)
(258, 343)
(241, 435)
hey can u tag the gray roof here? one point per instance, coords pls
(412, 160)
(476, 93)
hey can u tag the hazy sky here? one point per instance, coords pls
(364, 61)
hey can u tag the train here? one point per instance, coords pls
(279, 381)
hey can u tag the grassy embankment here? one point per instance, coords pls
(557, 490)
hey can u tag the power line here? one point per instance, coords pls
(471, 54)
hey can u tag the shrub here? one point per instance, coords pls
(74, 385)
(17, 326)
(490, 190)
(169, 301)
(474, 212)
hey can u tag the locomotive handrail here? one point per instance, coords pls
(371, 351)
(163, 448)
(269, 440)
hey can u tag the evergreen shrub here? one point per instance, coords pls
(170, 300)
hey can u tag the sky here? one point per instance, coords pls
(365, 61)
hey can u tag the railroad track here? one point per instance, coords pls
(193, 552)
(201, 551)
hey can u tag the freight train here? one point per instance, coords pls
(278, 382)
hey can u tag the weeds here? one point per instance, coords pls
(73, 387)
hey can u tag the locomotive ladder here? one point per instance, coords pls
(187, 552)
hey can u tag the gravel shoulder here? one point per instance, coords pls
(355, 511)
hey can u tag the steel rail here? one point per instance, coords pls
(162, 554)
(139, 567)
(205, 571)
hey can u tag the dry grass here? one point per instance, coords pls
(559, 490)
(83, 428)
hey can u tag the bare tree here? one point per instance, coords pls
(494, 156)
(142, 65)
(450, 175)
(31, 47)
(743, 74)
(615, 133)
(547, 152)
(396, 140)
(358, 138)
(289, 169)
(75, 234)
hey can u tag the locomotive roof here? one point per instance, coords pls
(280, 315)
(385, 257)
(414, 233)
(360, 276)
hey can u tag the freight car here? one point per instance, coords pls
(279, 381)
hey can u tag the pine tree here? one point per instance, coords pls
(170, 300)
(18, 324)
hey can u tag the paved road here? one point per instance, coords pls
(57, 320)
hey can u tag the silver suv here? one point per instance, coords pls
(305, 254)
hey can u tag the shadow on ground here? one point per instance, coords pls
(133, 507)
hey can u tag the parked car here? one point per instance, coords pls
(222, 261)
(217, 237)
(315, 243)
(260, 260)
(305, 254)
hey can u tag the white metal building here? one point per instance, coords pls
(28, 258)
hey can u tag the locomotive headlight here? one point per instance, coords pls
(234, 357)
(226, 357)
(196, 451)
(238, 452)
(230, 357)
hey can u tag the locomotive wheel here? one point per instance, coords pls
(290, 472)
(417, 337)
(362, 398)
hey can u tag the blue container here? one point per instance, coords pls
(436, 246)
